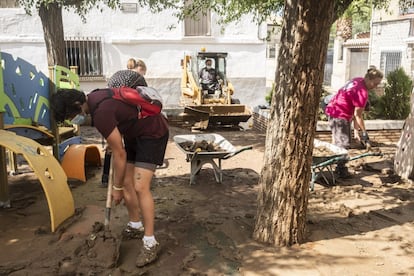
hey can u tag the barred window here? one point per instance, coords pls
(199, 25)
(86, 54)
(9, 4)
(390, 61)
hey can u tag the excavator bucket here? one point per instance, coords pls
(76, 157)
(217, 115)
(51, 175)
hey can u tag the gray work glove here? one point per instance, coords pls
(365, 140)
(364, 137)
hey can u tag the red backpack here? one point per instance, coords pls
(147, 100)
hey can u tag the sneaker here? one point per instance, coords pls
(131, 233)
(147, 255)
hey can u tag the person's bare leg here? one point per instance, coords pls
(130, 195)
(150, 248)
(146, 202)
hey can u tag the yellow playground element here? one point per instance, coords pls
(51, 175)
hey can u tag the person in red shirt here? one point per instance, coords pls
(348, 105)
(138, 146)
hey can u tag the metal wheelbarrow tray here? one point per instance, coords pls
(326, 162)
(199, 158)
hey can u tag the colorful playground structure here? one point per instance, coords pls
(26, 127)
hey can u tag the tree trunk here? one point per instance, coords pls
(51, 17)
(286, 173)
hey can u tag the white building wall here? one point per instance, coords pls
(390, 36)
(340, 69)
(158, 39)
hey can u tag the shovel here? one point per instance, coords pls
(101, 247)
(109, 196)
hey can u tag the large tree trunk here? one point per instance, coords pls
(51, 17)
(286, 173)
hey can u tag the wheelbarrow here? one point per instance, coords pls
(222, 150)
(323, 163)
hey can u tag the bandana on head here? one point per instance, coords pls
(127, 78)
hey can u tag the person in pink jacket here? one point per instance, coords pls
(348, 105)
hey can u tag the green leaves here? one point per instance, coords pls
(395, 103)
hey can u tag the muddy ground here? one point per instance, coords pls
(360, 226)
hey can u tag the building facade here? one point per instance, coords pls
(103, 44)
(388, 46)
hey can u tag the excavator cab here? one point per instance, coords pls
(209, 102)
(213, 80)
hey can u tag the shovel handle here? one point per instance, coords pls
(109, 195)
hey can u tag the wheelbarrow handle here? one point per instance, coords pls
(365, 155)
(231, 154)
(330, 161)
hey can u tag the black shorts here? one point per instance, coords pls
(146, 152)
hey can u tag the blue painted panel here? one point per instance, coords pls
(28, 90)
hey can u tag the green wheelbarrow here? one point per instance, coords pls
(326, 163)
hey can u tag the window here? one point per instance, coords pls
(86, 54)
(273, 33)
(271, 51)
(198, 25)
(9, 4)
(406, 6)
(390, 61)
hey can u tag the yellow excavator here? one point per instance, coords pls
(209, 104)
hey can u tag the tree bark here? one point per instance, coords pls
(51, 17)
(286, 173)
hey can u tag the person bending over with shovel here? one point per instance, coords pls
(348, 103)
(134, 160)
(130, 78)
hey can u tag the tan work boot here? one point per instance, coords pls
(147, 255)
